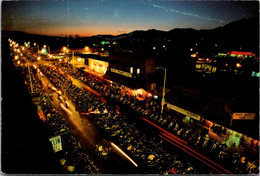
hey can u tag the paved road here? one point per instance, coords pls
(89, 136)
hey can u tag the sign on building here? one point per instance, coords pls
(56, 143)
(127, 74)
(183, 111)
(244, 116)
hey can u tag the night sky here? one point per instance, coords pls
(87, 18)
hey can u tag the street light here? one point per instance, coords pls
(163, 100)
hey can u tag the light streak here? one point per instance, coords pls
(182, 143)
(54, 88)
(124, 154)
(190, 153)
(170, 10)
(63, 107)
(195, 153)
(163, 130)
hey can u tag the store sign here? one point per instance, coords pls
(244, 116)
(127, 74)
(183, 111)
(56, 143)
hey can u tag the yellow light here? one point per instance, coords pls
(38, 58)
(191, 49)
(124, 154)
(18, 62)
(44, 46)
(16, 57)
(23, 48)
(238, 65)
(163, 46)
(86, 48)
(34, 44)
(21, 54)
(67, 50)
(102, 49)
(154, 48)
(64, 48)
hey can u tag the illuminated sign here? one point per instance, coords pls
(183, 111)
(127, 74)
(56, 143)
(244, 116)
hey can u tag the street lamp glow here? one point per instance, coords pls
(16, 57)
(44, 46)
(86, 48)
(154, 48)
(34, 44)
(38, 58)
(163, 100)
(191, 49)
(64, 48)
(238, 65)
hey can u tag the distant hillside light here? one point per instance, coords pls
(191, 49)
(154, 48)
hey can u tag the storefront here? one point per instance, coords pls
(98, 65)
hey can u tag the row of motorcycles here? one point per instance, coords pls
(73, 157)
(145, 149)
(197, 139)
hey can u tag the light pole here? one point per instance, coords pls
(163, 100)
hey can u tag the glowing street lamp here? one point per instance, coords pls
(86, 48)
(163, 100)
(64, 49)
(238, 65)
(38, 58)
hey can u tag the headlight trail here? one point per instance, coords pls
(114, 145)
(63, 107)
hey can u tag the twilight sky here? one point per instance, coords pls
(87, 18)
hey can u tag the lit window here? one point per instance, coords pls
(138, 71)
(131, 69)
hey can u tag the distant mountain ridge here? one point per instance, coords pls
(242, 34)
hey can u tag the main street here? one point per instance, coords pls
(88, 135)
